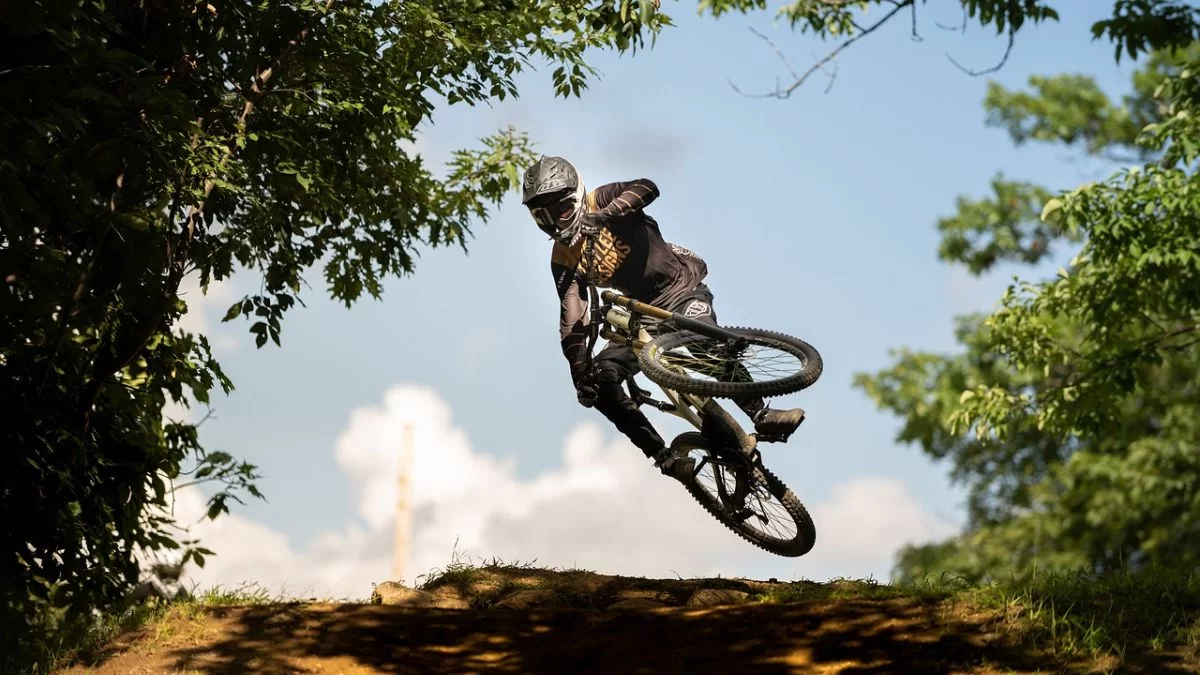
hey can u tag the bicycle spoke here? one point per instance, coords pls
(704, 359)
(777, 515)
(771, 515)
(767, 515)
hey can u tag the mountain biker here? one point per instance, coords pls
(605, 235)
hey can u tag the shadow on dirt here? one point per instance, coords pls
(845, 637)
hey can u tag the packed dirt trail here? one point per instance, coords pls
(539, 622)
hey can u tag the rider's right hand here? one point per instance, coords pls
(586, 391)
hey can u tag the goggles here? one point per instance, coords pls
(548, 216)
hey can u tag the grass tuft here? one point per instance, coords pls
(1085, 614)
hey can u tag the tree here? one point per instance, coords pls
(142, 142)
(1071, 416)
(1135, 28)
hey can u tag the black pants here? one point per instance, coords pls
(616, 362)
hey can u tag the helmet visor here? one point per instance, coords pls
(553, 213)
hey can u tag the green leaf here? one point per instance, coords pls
(1050, 209)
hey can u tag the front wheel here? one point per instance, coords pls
(747, 498)
(760, 363)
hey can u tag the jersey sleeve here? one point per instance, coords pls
(623, 198)
(573, 318)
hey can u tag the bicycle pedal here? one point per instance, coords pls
(770, 438)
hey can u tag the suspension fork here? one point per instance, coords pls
(722, 426)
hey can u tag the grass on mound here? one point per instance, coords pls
(70, 646)
(1107, 618)
(1115, 614)
(1072, 615)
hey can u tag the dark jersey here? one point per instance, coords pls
(630, 256)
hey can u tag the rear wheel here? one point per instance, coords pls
(760, 363)
(748, 499)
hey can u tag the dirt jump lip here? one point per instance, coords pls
(521, 620)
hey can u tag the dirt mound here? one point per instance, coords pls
(521, 620)
(525, 587)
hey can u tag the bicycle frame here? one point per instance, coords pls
(619, 320)
(730, 455)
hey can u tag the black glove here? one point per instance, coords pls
(586, 390)
(591, 223)
(587, 393)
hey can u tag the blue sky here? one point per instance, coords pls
(815, 214)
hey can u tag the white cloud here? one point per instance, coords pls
(250, 552)
(417, 147)
(205, 309)
(868, 519)
(604, 508)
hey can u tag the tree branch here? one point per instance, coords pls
(1116, 158)
(961, 29)
(799, 79)
(1012, 35)
(1149, 319)
(778, 52)
(1152, 344)
(832, 79)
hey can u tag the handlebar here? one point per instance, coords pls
(636, 306)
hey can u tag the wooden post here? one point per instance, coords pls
(400, 544)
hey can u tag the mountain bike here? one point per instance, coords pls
(694, 363)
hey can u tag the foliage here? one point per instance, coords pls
(1068, 416)
(1071, 415)
(1001, 227)
(1133, 290)
(144, 142)
(1136, 28)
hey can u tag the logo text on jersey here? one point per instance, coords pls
(679, 250)
(610, 253)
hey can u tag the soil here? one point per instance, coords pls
(538, 622)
